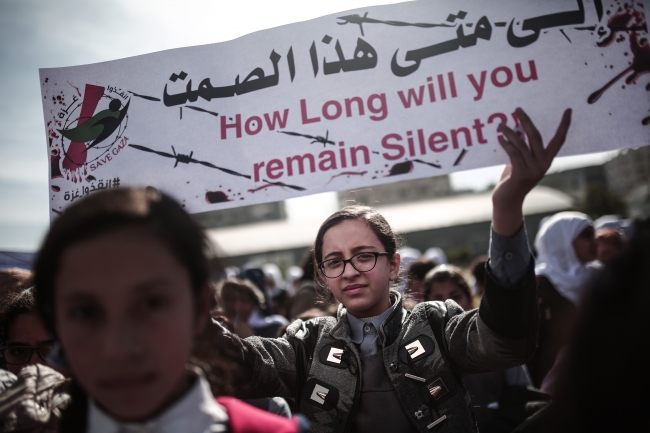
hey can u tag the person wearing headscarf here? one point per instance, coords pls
(566, 248)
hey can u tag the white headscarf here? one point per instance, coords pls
(556, 257)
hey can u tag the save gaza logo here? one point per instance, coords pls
(89, 131)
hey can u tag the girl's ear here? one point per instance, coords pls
(394, 266)
(204, 302)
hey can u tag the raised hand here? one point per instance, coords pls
(528, 164)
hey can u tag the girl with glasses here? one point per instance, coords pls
(31, 393)
(25, 340)
(377, 367)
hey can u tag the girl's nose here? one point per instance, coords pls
(349, 271)
(121, 339)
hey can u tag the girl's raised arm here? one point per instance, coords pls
(528, 164)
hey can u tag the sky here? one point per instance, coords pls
(55, 33)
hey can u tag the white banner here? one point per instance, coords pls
(354, 99)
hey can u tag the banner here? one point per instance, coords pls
(354, 99)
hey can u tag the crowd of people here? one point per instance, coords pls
(123, 325)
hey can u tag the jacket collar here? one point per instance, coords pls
(390, 328)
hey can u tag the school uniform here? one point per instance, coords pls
(198, 412)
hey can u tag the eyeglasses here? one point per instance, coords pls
(18, 355)
(362, 262)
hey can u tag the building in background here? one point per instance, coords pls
(628, 175)
(629, 170)
(399, 192)
(625, 177)
(458, 224)
(577, 181)
(242, 215)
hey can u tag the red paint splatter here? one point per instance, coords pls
(640, 65)
(460, 157)
(268, 185)
(641, 62)
(76, 88)
(213, 197)
(56, 211)
(55, 171)
(621, 22)
(401, 168)
(55, 188)
(347, 173)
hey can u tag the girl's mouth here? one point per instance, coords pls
(353, 289)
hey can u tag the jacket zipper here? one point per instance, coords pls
(357, 392)
(357, 397)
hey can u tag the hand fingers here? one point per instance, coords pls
(519, 143)
(557, 141)
(534, 137)
(516, 158)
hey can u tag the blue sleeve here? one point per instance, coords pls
(509, 257)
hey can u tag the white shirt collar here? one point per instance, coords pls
(356, 324)
(195, 412)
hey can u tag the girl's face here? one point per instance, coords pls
(125, 315)
(585, 245)
(364, 294)
(443, 290)
(238, 306)
(27, 330)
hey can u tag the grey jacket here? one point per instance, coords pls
(317, 364)
(33, 403)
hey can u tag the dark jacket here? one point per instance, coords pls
(557, 319)
(501, 334)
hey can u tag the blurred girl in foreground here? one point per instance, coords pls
(122, 282)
